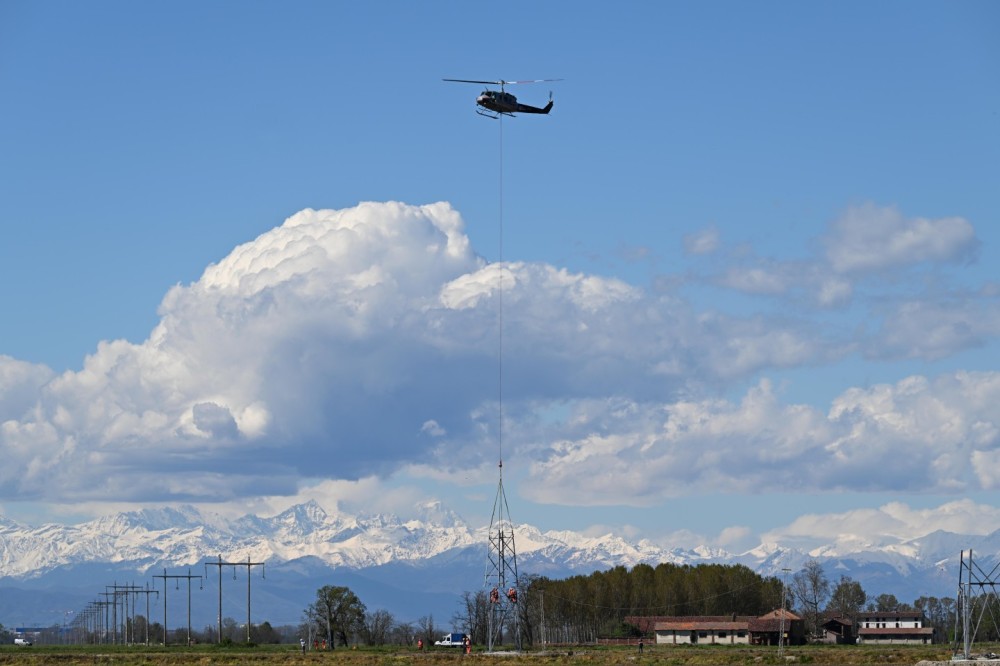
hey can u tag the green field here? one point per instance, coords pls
(590, 655)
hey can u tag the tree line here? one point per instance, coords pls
(582, 608)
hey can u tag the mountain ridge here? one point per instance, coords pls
(438, 556)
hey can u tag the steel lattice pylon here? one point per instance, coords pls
(977, 595)
(501, 574)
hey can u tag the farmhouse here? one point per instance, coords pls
(893, 627)
(837, 629)
(703, 629)
(722, 629)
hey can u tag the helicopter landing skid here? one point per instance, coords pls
(493, 116)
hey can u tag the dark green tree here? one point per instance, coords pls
(264, 633)
(338, 612)
(885, 603)
(848, 599)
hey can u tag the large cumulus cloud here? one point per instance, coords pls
(326, 347)
(348, 344)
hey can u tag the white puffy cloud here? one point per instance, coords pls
(351, 344)
(348, 344)
(280, 361)
(918, 435)
(20, 383)
(872, 238)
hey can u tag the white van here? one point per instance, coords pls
(22, 641)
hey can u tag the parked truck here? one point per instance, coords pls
(451, 640)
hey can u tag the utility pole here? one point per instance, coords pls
(248, 564)
(541, 597)
(126, 592)
(147, 591)
(165, 576)
(102, 616)
(784, 598)
(111, 604)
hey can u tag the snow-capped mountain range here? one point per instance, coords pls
(412, 568)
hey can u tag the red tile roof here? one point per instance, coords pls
(685, 624)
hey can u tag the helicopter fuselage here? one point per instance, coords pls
(502, 102)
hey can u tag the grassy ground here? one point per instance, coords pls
(582, 656)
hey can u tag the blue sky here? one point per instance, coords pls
(750, 258)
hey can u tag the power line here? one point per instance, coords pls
(248, 564)
(165, 576)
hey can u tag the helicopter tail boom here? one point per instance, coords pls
(524, 108)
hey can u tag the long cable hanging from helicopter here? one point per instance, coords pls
(496, 104)
(501, 553)
(500, 318)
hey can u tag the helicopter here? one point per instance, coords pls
(496, 103)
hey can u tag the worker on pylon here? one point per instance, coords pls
(494, 596)
(512, 595)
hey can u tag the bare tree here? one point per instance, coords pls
(403, 633)
(377, 626)
(428, 631)
(812, 589)
(473, 616)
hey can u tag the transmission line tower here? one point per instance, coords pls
(977, 594)
(501, 573)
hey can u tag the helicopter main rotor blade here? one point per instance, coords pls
(489, 83)
(501, 82)
(531, 81)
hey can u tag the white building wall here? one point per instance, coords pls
(683, 637)
(673, 637)
(882, 622)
